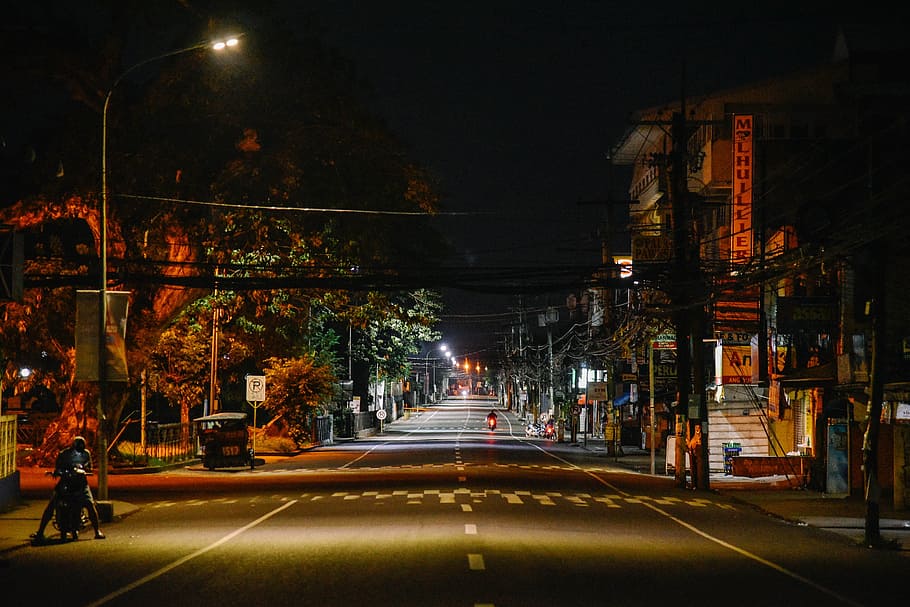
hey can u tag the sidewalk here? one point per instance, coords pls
(19, 522)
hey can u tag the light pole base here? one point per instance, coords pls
(105, 510)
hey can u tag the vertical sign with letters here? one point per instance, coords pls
(743, 170)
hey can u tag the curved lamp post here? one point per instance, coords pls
(102, 308)
(426, 367)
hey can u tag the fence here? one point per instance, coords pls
(170, 442)
(349, 424)
(7, 445)
(322, 430)
(363, 421)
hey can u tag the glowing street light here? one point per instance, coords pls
(217, 45)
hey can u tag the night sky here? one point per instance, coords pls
(514, 106)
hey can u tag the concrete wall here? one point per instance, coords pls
(9, 491)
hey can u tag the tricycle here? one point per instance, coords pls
(223, 440)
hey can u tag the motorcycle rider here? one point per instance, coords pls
(491, 418)
(550, 428)
(76, 456)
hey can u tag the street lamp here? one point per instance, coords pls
(426, 370)
(102, 307)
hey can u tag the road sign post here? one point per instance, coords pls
(255, 396)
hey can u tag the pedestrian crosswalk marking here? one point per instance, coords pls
(465, 497)
(607, 501)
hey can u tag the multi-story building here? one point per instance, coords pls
(792, 201)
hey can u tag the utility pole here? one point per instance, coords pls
(871, 483)
(551, 317)
(681, 295)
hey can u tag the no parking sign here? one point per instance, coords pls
(255, 388)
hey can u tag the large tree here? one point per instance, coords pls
(255, 184)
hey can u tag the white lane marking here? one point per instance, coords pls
(173, 565)
(475, 562)
(467, 508)
(779, 568)
(470, 529)
(755, 557)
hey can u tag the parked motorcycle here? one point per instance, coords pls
(70, 516)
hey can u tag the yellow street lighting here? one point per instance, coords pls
(217, 45)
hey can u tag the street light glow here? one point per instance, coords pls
(102, 292)
(219, 45)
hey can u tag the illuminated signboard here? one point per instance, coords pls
(625, 266)
(743, 169)
(734, 364)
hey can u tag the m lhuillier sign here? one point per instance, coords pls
(743, 169)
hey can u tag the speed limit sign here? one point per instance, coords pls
(380, 414)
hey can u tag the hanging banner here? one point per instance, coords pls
(88, 338)
(743, 170)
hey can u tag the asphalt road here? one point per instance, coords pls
(437, 510)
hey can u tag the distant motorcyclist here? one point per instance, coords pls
(550, 428)
(75, 458)
(491, 419)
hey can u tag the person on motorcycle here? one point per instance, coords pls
(550, 428)
(491, 418)
(76, 456)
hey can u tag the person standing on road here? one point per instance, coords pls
(74, 457)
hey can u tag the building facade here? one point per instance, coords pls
(771, 211)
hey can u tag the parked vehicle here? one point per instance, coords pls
(223, 440)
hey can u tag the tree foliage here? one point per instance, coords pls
(215, 167)
(297, 389)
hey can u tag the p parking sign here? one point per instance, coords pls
(255, 388)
